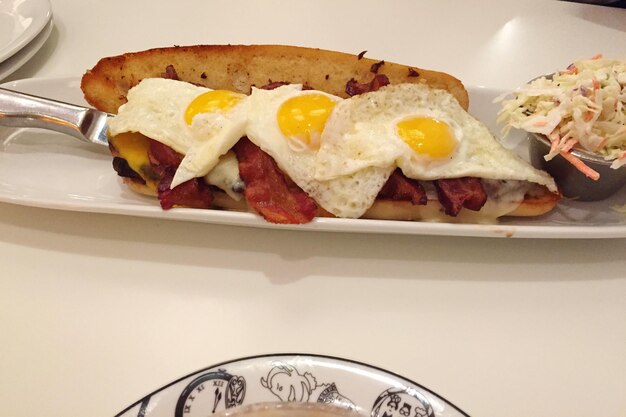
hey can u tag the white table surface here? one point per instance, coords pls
(98, 310)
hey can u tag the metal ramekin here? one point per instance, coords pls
(573, 183)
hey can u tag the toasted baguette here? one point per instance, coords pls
(239, 67)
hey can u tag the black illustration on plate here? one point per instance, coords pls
(288, 384)
(400, 402)
(209, 393)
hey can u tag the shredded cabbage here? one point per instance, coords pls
(582, 107)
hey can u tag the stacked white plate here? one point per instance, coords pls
(25, 25)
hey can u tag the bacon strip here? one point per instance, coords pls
(170, 73)
(272, 85)
(456, 193)
(400, 188)
(354, 88)
(375, 67)
(163, 158)
(267, 191)
(194, 193)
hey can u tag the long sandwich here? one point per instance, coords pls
(293, 133)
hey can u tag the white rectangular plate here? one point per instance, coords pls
(45, 169)
(20, 22)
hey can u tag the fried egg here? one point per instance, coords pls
(423, 131)
(287, 123)
(200, 123)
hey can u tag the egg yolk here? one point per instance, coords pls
(428, 136)
(304, 117)
(212, 101)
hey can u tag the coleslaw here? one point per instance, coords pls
(582, 107)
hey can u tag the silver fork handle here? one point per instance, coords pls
(24, 110)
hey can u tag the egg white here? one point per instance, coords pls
(344, 196)
(156, 108)
(361, 133)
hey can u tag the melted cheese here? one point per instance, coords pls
(133, 147)
(225, 176)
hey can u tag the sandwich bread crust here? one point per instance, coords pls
(239, 67)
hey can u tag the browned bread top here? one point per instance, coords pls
(239, 67)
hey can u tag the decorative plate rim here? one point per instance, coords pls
(269, 355)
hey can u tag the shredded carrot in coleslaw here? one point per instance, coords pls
(582, 107)
(580, 165)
